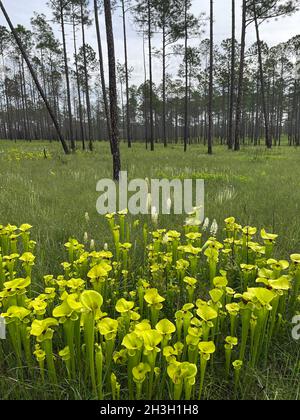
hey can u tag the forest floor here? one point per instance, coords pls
(260, 188)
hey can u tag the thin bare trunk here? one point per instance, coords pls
(73, 146)
(104, 94)
(150, 78)
(240, 82)
(86, 82)
(164, 134)
(128, 127)
(211, 72)
(186, 99)
(78, 88)
(262, 82)
(232, 80)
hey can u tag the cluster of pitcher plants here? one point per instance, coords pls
(152, 318)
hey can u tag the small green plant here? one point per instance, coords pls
(149, 331)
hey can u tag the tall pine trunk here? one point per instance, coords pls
(86, 82)
(78, 88)
(164, 134)
(104, 94)
(262, 82)
(112, 91)
(232, 81)
(62, 22)
(211, 72)
(35, 79)
(241, 81)
(145, 94)
(128, 127)
(150, 77)
(186, 95)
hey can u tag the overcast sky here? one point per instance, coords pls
(272, 32)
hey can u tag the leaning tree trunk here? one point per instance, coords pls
(262, 82)
(112, 91)
(241, 81)
(35, 78)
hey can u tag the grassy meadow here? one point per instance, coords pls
(258, 187)
(52, 192)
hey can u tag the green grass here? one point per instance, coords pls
(258, 187)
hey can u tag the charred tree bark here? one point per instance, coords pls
(112, 91)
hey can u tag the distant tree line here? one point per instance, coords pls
(229, 93)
